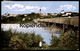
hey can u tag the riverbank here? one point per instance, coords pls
(49, 48)
(38, 30)
(26, 39)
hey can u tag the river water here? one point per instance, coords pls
(38, 30)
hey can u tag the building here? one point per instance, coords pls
(40, 12)
(54, 14)
(14, 15)
(44, 14)
(67, 14)
(62, 12)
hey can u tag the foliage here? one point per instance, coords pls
(16, 43)
(75, 14)
(59, 15)
(12, 19)
(54, 41)
(19, 18)
(68, 39)
(19, 40)
(5, 35)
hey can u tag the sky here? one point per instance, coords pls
(23, 7)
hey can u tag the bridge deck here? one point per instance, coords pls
(64, 20)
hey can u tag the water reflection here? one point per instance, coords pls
(38, 30)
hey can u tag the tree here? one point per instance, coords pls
(59, 15)
(19, 40)
(16, 43)
(5, 36)
(28, 40)
(36, 39)
(75, 14)
(68, 39)
(54, 40)
(39, 38)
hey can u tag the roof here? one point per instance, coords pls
(68, 12)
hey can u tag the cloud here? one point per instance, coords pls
(17, 5)
(43, 8)
(14, 6)
(33, 8)
(8, 6)
(66, 7)
(20, 7)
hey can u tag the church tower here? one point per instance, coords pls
(40, 11)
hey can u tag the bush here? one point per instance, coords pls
(5, 37)
(19, 40)
(54, 40)
(16, 43)
(68, 39)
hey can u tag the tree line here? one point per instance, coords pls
(30, 17)
(67, 39)
(20, 40)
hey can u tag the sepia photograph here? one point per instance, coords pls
(39, 25)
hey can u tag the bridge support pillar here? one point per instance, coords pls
(48, 24)
(63, 27)
(44, 23)
(54, 25)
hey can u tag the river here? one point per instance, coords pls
(45, 33)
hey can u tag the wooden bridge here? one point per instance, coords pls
(64, 20)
